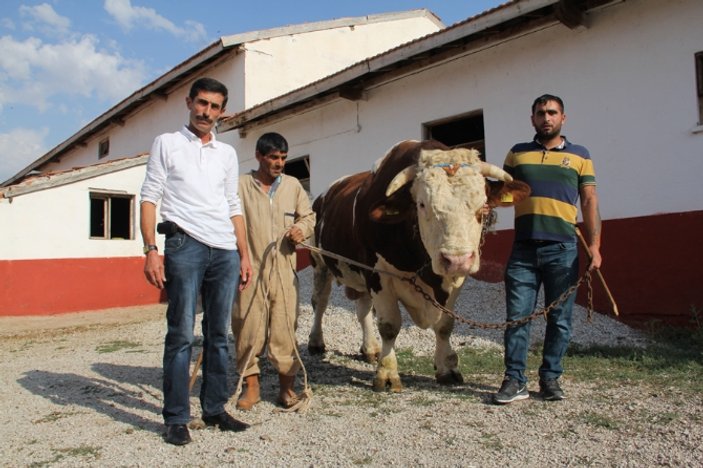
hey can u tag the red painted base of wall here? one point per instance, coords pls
(651, 266)
(44, 287)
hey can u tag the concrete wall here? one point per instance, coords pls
(49, 263)
(281, 64)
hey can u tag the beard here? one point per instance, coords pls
(548, 134)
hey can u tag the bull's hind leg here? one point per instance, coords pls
(446, 361)
(322, 286)
(370, 348)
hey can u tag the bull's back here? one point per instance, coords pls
(335, 229)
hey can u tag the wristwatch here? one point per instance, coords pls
(149, 248)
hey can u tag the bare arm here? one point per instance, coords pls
(153, 263)
(591, 223)
(245, 271)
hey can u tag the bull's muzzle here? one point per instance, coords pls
(454, 265)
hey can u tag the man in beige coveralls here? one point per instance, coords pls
(278, 216)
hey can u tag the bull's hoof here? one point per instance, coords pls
(370, 357)
(391, 384)
(316, 349)
(450, 378)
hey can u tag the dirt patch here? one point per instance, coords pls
(23, 326)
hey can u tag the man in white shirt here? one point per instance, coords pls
(196, 178)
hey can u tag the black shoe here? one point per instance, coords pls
(550, 390)
(177, 434)
(225, 422)
(511, 390)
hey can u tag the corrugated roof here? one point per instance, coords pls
(53, 179)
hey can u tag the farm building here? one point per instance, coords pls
(631, 75)
(70, 239)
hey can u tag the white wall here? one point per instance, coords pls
(629, 87)
(55, 223)
(280, 64)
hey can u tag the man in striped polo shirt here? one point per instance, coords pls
(545, 251)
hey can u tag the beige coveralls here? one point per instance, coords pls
(266, 312)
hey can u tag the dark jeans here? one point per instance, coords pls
(555, 266)
(193, 269)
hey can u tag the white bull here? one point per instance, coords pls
(419, 212)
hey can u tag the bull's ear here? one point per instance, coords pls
(506, 193)
(388, 213)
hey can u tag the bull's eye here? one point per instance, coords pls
(421, 205)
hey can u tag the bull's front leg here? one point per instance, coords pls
(370, 348)
(446, 361)
(389, 322)
(322, 287)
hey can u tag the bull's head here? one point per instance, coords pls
(449, 191)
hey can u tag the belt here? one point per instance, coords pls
(536, 242)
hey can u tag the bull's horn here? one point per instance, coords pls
(402, 178)
(489, 170)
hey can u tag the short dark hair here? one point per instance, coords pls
(270, 142)
(543, 99)
(210, 85)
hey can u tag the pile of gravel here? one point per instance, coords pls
(89, 395)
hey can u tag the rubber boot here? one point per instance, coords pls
(251, 394)
(287, 396)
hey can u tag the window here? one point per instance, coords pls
(103, 148)
(111, 216)
(699, 84)
(465, 131)
(300, 169)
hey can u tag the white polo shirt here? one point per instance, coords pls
(197, 185)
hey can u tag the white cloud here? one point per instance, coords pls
(45, 19)
(129, 17)
(19, 148)
(72, 68)
(7, 23)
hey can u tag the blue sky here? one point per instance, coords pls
(65, 62)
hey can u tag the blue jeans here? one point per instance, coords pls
(193, 269)
(554, 265)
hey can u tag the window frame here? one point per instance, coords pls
(104, 148)
(108, 214)
(429, 130)
(294, 163)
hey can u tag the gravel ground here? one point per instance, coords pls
(84, 390)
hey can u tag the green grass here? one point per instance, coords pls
(114, 346)
(55, 416)
(599, 420)
(674, 359)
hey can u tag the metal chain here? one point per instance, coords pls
(544, 312)
(487, 221)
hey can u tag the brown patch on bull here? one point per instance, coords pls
(451, 170)
(387, 330)
(352, 294)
